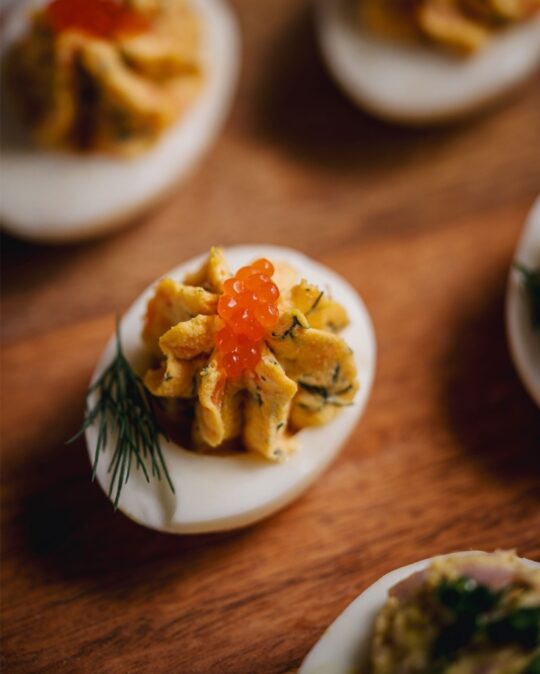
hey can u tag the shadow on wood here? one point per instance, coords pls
(486, 402)
(303, 110)
(66, 529)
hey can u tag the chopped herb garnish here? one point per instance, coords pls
(455, 637)
(124, 414)
(522, 627)
(533, 667)
(256, 395)
(476, 615)
(314, 305)
(326, 396)
(464, 595)
(531, 286)
(320, 391)
(289, 332)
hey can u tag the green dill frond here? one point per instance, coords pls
(530, 279)
(315, 304)
(124, 415)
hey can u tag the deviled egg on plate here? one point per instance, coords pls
(464, 613)
(523, 305)
(110, 103)
(428, 61)
(236, 392)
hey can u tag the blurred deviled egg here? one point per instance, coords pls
(223, 397)
(428, 61)
(523, 305)
(109, 103)
(465, 613)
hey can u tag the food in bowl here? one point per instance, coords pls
(105, 75)
(463, 26)
(523, 305)
(423, 62)
(463, 613)
(235, 390)
(251, 360)
(112, 103)
(530, 279)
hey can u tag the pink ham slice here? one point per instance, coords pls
(494, 577)
(405, 589)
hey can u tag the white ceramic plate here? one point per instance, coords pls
(216, 493)
(523, 340)
(345, 646)
(57, 197)
(418, 84)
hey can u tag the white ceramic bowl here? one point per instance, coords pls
(418, 84)
(59, 197)
(215, 493)
(345, 646)
(523, 340)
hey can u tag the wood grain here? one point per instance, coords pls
(423, 224)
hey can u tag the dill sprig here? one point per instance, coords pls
(124, 413)
(531, 285)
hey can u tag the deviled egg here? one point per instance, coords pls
(428, 61)
(465, 613)
(256, 380)
(523, 305)
(110, 103)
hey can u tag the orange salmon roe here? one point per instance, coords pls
(100, 18)
(248, 308)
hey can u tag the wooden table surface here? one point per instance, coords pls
(423, 224)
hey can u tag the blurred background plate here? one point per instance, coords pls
(524, 340)
(416, 83)
(345, 646)
(59, 197)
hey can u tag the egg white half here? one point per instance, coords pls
(345, 646)
(215, 493)
(59, 197)
(418, 84)
(524, 341)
